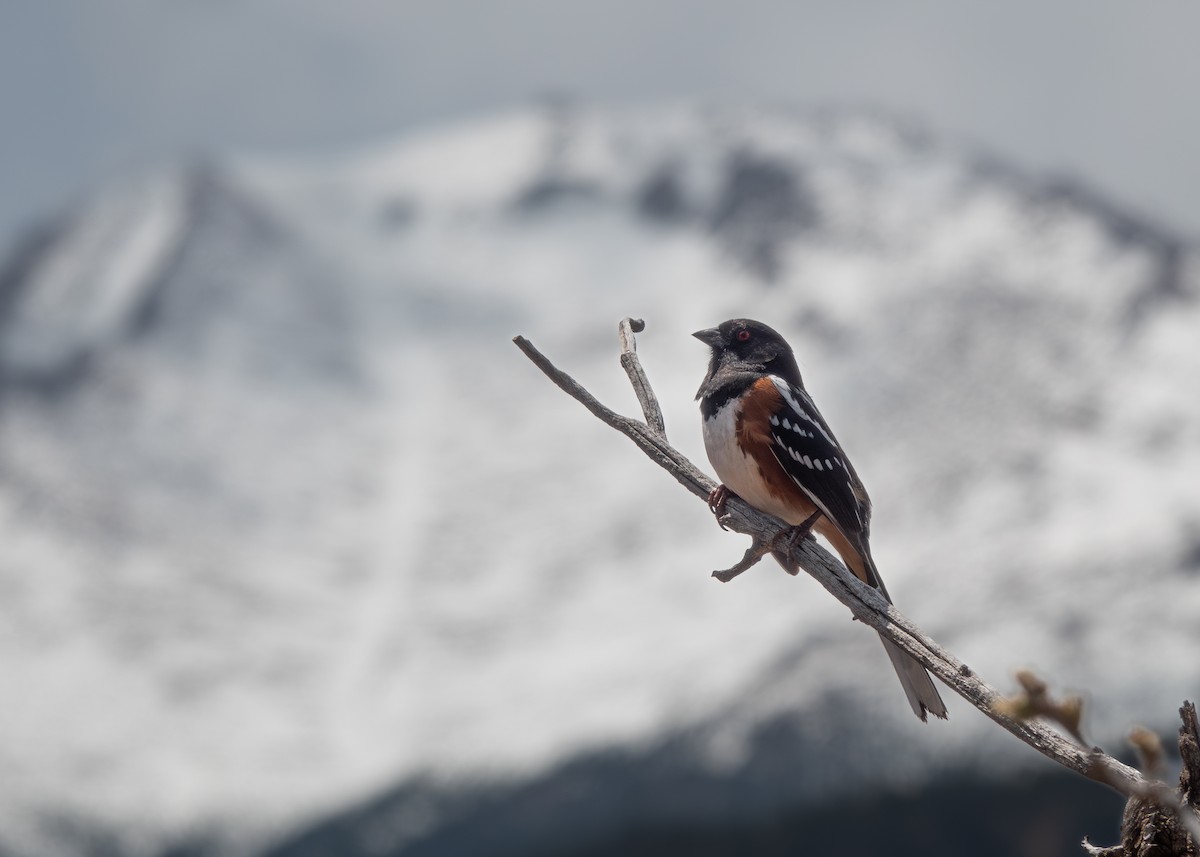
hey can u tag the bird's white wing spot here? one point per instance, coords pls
(804, 411)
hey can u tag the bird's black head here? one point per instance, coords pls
(741, 348)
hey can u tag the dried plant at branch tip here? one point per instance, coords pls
(1020, 715)
(1035, 701)
(1150, 751)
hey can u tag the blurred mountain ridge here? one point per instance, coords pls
(291, 525)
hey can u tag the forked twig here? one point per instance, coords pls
(637, 377)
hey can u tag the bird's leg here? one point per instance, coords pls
(717, 499)
(792, 537)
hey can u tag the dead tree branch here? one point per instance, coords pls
(864, 602)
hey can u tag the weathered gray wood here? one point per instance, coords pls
(864, 602)
(637, 377)
(1189, 753)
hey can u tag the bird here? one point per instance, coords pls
(770, 446)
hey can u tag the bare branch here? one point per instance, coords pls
(864, 602)
(655, 446)
(754, 554)
(633, 368)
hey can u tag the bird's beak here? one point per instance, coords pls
(710, 337)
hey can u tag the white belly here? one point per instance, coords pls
(737, 471)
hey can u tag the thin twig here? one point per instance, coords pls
(633, 368)
(753, 556)
(655, 446)
(864, 602)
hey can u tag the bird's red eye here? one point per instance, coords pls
(743, 336)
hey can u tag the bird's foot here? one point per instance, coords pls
(718, 498)
(791, 538)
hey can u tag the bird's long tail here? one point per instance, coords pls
(918, 686)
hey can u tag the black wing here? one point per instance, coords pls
(812, 457)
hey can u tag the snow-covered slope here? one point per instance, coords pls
(289, 523)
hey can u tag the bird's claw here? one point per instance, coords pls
(717, 500)
(791, 537)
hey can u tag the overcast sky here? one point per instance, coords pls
(1106, 91)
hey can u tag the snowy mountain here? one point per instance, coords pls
(292, 529)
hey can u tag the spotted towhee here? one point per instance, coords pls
(770, 446)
